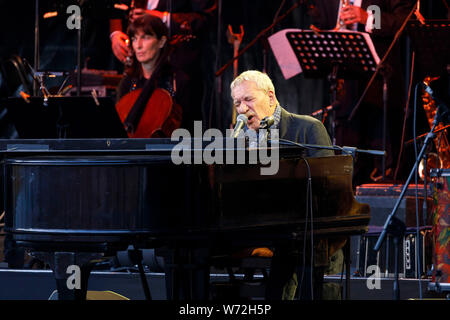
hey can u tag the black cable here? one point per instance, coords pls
(309, 210)
(405, 116)
(417, 195)
(304, 246)
(309, 200)
(308, 205)
(342, 276)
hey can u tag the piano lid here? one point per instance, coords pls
(160, 146)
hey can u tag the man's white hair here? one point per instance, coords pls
(261, 80)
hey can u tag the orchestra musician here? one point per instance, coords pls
(181, 16)
(365, 129)
(253, 94)
(150, 47)
(190, 18)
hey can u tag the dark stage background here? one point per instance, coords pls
(58, 48)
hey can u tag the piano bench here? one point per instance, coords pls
(248, 259)
(247, 277)
(247, 272)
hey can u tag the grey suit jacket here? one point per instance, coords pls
(305, 129)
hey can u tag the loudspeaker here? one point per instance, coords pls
(383, 197)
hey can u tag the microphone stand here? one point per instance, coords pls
(385, 100)
(347, 150)
(332, 78)
(36, 47)
(392, 224)
(79, 53)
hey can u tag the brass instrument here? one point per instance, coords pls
(340, 25)
(129, 59)
(136, 4)
(442, 159)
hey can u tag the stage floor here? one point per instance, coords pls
(19, 284)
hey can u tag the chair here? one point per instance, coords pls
(14, 73)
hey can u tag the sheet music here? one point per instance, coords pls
(285, 55)
(370, 44)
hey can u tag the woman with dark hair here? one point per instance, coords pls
(148, 44)
(149, 77)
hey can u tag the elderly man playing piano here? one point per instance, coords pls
(253, 95)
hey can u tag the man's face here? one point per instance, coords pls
(255, 103)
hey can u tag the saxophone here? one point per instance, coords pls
(442, 158)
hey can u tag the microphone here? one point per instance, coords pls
(266, 122)
(241, 121)
(445, 115)
(431, 92)
(428, 89)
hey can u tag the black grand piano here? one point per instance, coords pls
(72, 196)
(73, 201)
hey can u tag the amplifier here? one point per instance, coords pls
(384, 258)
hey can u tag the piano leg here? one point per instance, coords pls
(187, 274)
(71, 271)
(347, 261)
(171, 270)
(136, 258)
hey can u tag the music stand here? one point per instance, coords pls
(65, 117)
(319, 54)
(334, 54)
